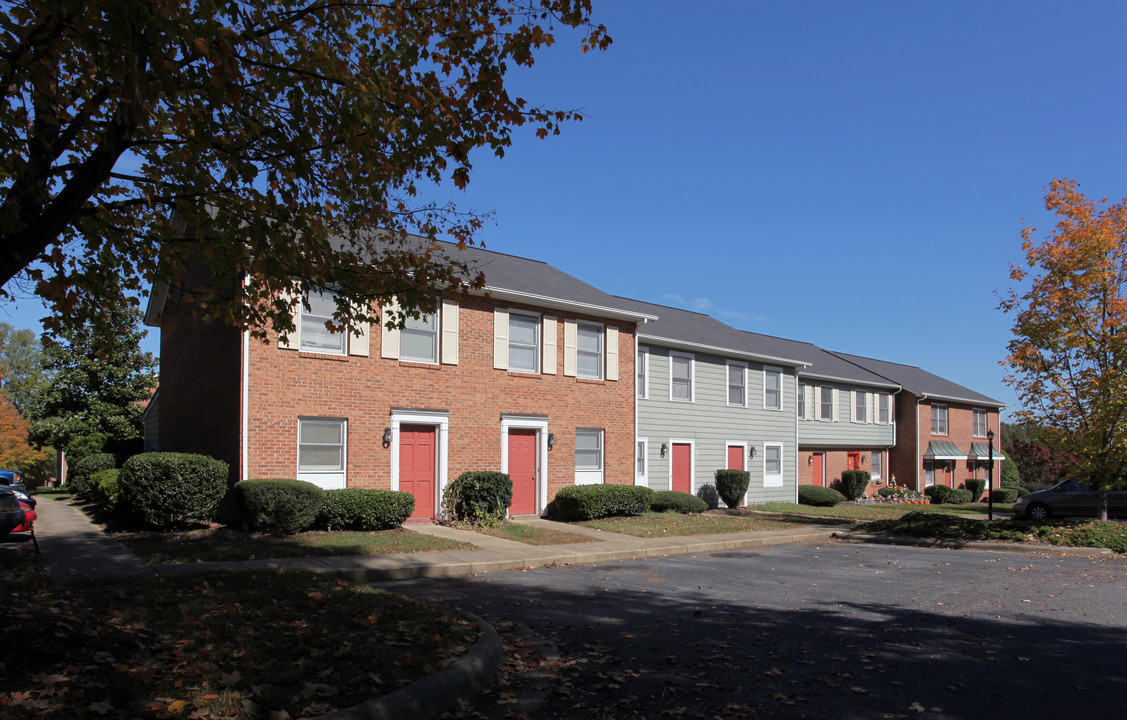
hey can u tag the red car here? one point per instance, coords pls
(17, 512)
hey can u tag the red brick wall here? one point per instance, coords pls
(960, 430)
(836, 461)
(286, 385)
(902, 457)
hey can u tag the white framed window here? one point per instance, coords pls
(772, 464)
(641, 461)
(681, 380)
(826, 403)
(929, 473)
(524, 342)
(642, 367)
(589, 351)
(588, 449)
(938, 419)
(418, 340)
(802, 401)
(980, 425)
(772, 388)
(884, 408)
(860, 406)
(322, 451)
(737, 384)
(315, 337)
(876, 465)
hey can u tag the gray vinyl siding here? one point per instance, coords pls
(711, 424)
(844, 433)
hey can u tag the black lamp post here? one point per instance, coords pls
(990, 473)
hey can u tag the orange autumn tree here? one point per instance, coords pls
(15, 453)
(1068, 356)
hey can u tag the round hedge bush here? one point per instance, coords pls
(1003, 495)
(818, 496)
(678, 502)
(480, 497)
(171, 490)
(731, 486)
(365, 510)
(279, 506)
(938, 494)
(961, 496)
(82, 473)
(591, 502)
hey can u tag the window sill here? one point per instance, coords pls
(590, 381)
(419, 364)
(528, 375)
(322, 356)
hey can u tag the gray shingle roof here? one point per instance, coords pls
(920, 382)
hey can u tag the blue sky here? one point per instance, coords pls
(849, 174)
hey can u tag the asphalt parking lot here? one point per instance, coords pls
(830, 631)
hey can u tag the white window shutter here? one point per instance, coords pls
(449, 320)
(389, 340)
(811, 402)
(548, 345)
(293, 341)
(500, 338)
(612, 353)
(358, 344)
(571, 338)
(837, 403)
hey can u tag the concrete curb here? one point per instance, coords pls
(1003, 547)
(433, 695)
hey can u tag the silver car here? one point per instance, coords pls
(1070, 498)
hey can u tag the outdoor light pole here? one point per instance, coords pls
(990, 473)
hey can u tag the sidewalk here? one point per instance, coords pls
(74, 548)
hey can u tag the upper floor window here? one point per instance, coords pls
(681, 377)
(938, 419)
(643, 370)
(860, 406)
(524, 343)
(315, 337)
(884, 409)
(826, 406)
(802, 401)
(737, 384)
(418, 340)
(772, 389)
(980, 424)
(589, 351)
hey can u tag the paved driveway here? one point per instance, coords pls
(837, 631)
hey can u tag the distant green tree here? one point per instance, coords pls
(101, 379)
(22, 376)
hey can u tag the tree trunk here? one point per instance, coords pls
(1101, 504)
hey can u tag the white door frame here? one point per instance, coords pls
(440, 420)
(539, 423)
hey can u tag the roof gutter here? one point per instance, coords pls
(561, 304)
(851, 381)
(965, 401)
(729, 352)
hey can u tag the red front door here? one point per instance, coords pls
(853, 461)
(683, 467)
(819, 468)
(417, 467)
(522, 471)
(735, 457)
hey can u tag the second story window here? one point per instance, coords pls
(860, 406)
(802, 401)
(980, 423)
(938, 419)
(589, 351)
(418, 340)
(315, 337)
(826, 406)
(524, 343)
(737, 384)
(772, 389)
(681, 377)
(643, 368)
(884, 409)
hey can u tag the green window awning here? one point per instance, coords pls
(981, 451)
(943, 450)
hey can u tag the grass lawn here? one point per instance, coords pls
(530, 534)
(1076, 533)
(672, 524)
(226, 544)
(883, 511)
(247, 645)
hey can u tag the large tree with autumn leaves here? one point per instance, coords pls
(257, 136)
(1068, 356)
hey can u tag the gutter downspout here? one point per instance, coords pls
(796, 381)
(244, 423)
(918, 466)
(637, 356)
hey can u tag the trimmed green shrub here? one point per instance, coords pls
(678, 502)
(481, 497)
(731, 485)
(1010, 475)
(279, 506)
(591, 502)
(1003, 495)
(976, 488)
(938, 494)
(84, 446)
(961, 496)
(104, 488)
(170, 490)
(364, 510)
(853, 483)
(886, 492)
(818, 496)
(1022, 491)
(83, 470)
